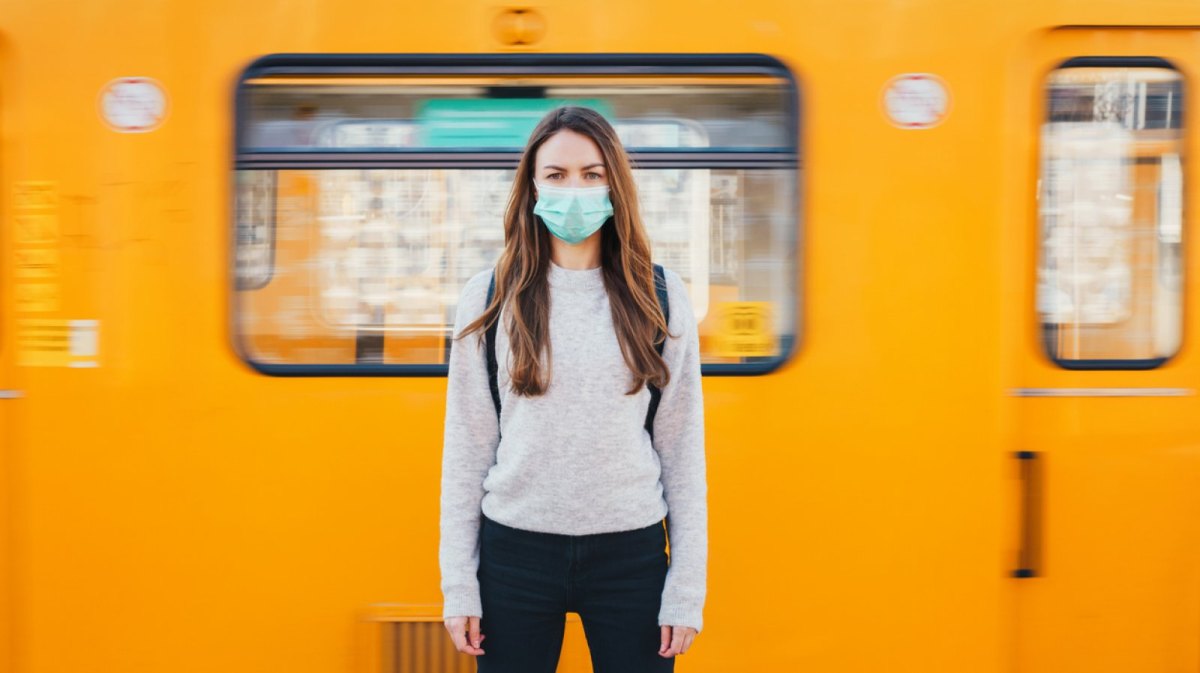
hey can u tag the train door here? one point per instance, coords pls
(1106, 416)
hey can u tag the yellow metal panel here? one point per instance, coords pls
(1118, 585)
(197, 516)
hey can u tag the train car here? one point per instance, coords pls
(939, 251)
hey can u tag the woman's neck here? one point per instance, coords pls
(585, 255)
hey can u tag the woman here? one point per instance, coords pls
(553, 500)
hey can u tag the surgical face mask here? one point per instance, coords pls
(573, 213)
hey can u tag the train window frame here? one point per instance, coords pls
(1045, 330)
(600, 64)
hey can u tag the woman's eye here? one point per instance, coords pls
(595, 176)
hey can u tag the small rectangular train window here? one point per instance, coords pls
(370, 189)
(1110, 286)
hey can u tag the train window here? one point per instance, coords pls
(369, 190)
(1110, 291)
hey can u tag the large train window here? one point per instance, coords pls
(369, 189)
(1110, 290)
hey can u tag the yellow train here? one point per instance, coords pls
(940, 251)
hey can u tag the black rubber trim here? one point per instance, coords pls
(1116, 62)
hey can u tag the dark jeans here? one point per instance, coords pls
(528, 582)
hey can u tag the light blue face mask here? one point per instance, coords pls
(573, 213)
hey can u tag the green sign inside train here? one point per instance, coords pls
(488, 122)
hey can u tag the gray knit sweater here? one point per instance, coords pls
(577, 459)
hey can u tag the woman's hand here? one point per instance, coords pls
(676, 640)
(464, 631)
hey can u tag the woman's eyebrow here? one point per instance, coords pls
(560, 168)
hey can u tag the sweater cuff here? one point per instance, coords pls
(680, 615)
(462, 603)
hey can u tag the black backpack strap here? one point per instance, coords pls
(660, 289)
(493, 366)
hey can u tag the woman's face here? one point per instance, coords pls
(569, 159)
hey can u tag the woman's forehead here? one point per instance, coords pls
(569, 149)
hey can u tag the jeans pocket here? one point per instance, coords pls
(508, 550)
(638, 555)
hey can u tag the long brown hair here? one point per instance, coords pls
(624, 257)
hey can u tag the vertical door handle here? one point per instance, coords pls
(1029, 556)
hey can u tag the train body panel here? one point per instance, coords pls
(187, 488)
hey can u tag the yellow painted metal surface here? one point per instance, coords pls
(172, 509)
(1121, 537)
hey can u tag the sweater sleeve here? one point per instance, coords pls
(679, 440)
(468, 451)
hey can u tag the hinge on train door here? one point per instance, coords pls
(1029, 556)
(11, 394)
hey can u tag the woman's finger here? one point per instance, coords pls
(473, 631)
(455, 629)
(664, 640)
(687, 640)
(677, 634)
(458, 628)
(676, 642)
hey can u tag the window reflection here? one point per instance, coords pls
(1110, 209)
(388, 250)
(365, 203)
